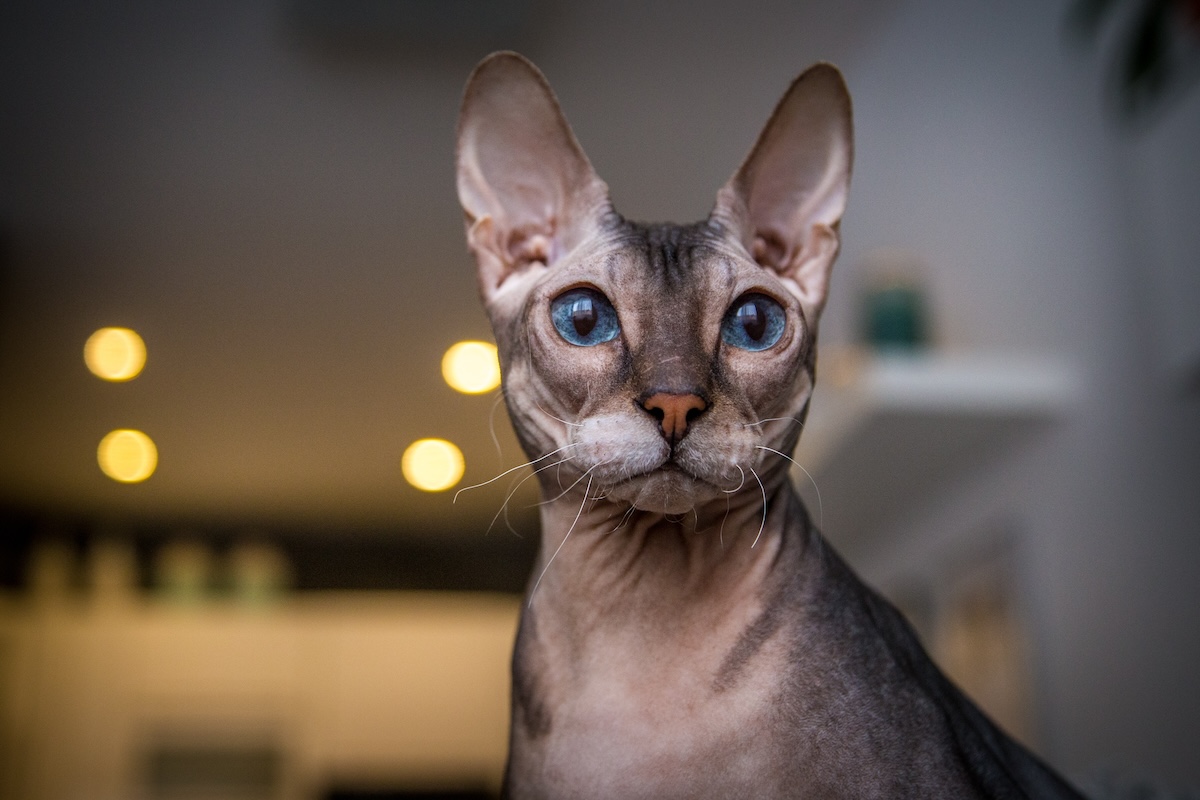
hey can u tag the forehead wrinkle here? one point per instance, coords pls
(669, 275)
(667, 251)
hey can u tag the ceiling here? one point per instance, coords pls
(265, 194)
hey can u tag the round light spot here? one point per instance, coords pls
(471, 367)
(127, 456)
(115, 354)
(432, 465)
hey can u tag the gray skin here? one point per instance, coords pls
(688, 632)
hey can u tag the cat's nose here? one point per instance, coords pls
(674, 413)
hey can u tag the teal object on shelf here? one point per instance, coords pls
(894, 317)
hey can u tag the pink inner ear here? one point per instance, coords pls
(769, 250)
(521, 169)
(529, 249)
(785, 201)
(774, 251)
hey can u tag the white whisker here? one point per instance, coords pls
(764, 494)
(721, 533)
(507, 471)
(740, 485)
(559, 419)
(817, 489)
(624, 519)
(771, 419)
(513, 491)
(567, 490)
(492, 425)
(614, 514)
(579, 514)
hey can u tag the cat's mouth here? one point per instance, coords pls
(668, 467)
(669, 488)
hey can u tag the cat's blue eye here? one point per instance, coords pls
(584, 317)
(753, 322)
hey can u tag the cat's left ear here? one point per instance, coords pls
(785, 202)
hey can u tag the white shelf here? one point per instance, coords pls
(886, 433)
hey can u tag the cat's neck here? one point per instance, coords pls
(614, 558)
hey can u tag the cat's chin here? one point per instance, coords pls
(663, 491)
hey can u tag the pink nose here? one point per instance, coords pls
(674, 412)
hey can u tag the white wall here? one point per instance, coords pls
(982, 148)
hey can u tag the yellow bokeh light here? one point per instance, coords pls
(127, 456)
(471, 367)
(115, 354)
(432, 465)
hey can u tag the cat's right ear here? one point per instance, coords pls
(527, 189)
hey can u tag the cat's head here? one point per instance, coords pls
(663, 362)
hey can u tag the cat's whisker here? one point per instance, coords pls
(763, 526)
(567, 490)
(609, 518)
(738, 488)
(570, 530)
(558, 477)
(559, 419)
(492, 423)
(696, 529)
(721, 533)
(513, 491)
(508, 522)
(817, 489)
(771, 419)
(505, 506)
(624, 519)
(511, 470)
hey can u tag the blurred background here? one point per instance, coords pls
(244, 596)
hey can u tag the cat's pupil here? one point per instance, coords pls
(752, 319)
(583, 316)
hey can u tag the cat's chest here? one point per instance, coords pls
(663, 738)
(656, 725)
